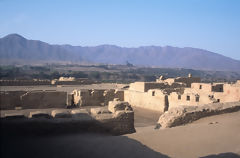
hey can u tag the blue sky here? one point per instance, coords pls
(213, 25)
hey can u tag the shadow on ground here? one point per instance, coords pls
(75, 146)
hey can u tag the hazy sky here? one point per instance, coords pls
(208, 24)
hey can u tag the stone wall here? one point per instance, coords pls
(187, 114)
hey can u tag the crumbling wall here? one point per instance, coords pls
(24, 82)
(10, 99)
(145, 86)
(187, 114)
(188, 80)
(53, 121)
(33, 99)
(96, 97)
(44, 99)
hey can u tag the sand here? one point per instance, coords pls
(207, 136)
(216, 136)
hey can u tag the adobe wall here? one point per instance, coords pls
(145, 86)
(204, 93)
(33, 99)
(190, 99)
(231, 93)
(77, 82)
(188, 80)
(10, 99)
(153, 99)
(96, 97)
(187, 114)
(137, 86)
(44, 99)
(24, 82)
(53, 121)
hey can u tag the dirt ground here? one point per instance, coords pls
(211, 137)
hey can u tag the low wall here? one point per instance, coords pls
(187, 114)
(44, 99)
(61, 121)
(10, 99)
(32, 99)
(24, 82)
(73, 82)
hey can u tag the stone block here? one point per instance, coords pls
(102, 110)
(114, 106)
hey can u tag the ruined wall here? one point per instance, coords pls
(77, 82)
(96, 97)
(145, 86)
(24, 82)
(190, 99)
(205, 93)
(10, 99)
(44, 99)
(231, 92)
(187, 114)
(204, 87)
(33, 99)
(188, 80)
(53, 121)
(137, 86)
(153, 99)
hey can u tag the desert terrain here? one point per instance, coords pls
(216, 136)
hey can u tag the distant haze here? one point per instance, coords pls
(17, 48)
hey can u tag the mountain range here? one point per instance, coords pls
(15, 48)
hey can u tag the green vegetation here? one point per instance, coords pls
(110, 73)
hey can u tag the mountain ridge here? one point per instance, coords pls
(16, 47)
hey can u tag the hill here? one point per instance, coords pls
(14, 48)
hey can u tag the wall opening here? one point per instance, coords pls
(179, 97)
(153, 93)
(188, 98)
(197, 98)
(166, 103)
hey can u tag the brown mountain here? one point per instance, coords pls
(15, 47)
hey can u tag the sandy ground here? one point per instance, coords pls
(145, 117)
(212, 137)
(207, 136)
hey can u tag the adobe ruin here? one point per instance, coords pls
(173, 92)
